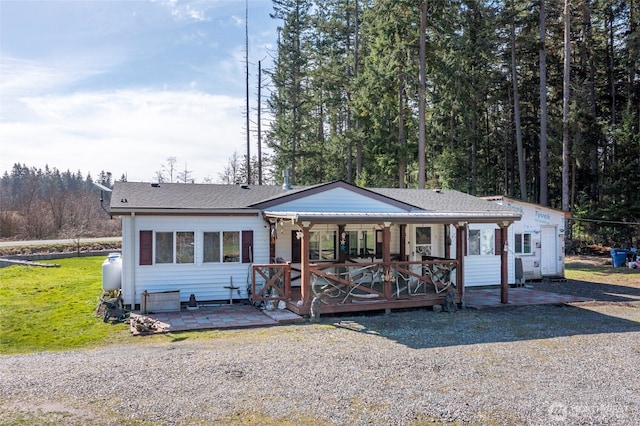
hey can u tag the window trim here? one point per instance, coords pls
(522, 236)
(175, 242)
(488, 235)
(333, 235)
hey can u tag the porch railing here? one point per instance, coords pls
(376, 282)
(271, 282)
(342, 283)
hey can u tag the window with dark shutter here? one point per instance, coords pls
(247, 246)
(146, 247)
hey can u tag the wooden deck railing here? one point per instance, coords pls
(271, 282)
(382, 282)
(362, 283)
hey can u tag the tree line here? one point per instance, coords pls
(510, 97)
(47, 203)
(41, 204)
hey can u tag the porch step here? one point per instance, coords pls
(283, 316)
(555, 279)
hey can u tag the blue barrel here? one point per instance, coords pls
(619, 257)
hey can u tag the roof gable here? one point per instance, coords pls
(337, 197)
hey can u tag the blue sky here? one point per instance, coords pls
(121, 86)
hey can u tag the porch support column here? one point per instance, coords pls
(305, 284)
(386, 257)
(386, 242)
(272, 242)
(461, 250)
(447, 241)
(343, 254)
(504, 263)
(403, 242)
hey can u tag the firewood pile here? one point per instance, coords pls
(141, 324)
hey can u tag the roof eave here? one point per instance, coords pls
(119, 211)
(437, 218)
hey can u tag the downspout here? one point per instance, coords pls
(132, 261)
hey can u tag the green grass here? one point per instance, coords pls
(603, 274)
(53, 308)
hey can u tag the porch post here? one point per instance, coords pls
(305, 278)
(272, 242)
(461, 250)
(386, 242)
(343, 254)
(447, 241)
(386, 257)
(504, 263)
(403, 242)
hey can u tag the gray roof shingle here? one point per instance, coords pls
(136, 196)
(128, 196)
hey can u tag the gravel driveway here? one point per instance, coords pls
(534, 365)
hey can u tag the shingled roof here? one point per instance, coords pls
(128, 196)
(424, 204)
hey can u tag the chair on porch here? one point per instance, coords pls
(366, 276)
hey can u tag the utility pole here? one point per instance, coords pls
(246, 39)
(259, 127)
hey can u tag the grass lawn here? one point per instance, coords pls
(52, 308)
(599, 270)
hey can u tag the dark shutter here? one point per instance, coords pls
(247, 246)
(498, 240)
(146, 247)
(296, 248)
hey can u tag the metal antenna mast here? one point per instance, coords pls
(246, 37)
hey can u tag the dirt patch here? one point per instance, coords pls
(582, 260)
(46, 413)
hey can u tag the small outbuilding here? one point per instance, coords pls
(536, 241)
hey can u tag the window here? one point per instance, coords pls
(360, 243)
(231, 246)
(480, 242)
(211, 247)
(322, 245)
(221, 247)
(184, 247)
(423, 240)
(164, 247)
(523, 243)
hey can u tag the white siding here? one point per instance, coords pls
(482, 270)
(337, 200)
(534, 217)
(205, 280)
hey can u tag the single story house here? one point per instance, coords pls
(351, 248)
(538, 246)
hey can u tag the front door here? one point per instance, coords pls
(548, 251)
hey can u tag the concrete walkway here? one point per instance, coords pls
(519, 296)
(221, 316)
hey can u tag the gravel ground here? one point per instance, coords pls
(535, 365)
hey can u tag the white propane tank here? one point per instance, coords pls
(112, 272)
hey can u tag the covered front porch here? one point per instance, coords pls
(407, 267)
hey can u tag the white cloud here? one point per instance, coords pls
(130, 132)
